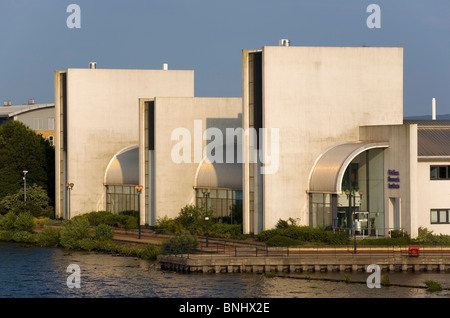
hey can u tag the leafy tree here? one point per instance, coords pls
(37, 201)
(22, 149)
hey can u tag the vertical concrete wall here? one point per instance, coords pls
(434, 194)
(102, 118)
(317, 97)
(401, 156)
(172, 185)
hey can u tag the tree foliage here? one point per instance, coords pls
(22, 149)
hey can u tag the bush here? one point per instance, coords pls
(399, 241)
(74, 231)
(6, 235)
(25, 222)
(180, 244)
(104, 232)
(305, 234)
(8, 221)
(149, 252)
(21, 222)
(48, 236)
(427, 237)
(433, 286)
(224, 230)
(23, 237)
(279, 240)
(111, 219)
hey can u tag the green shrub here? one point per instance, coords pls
(22, 222)
(305, 234)
(224, 230)
(166, 225)
(180, 244)
(111, 219)
(6, 235)
(385, 241)
(149, 252)
(25, 222)
(23, 237)
(433, 286)
(265, 235)
(74, 231)
(87, 244)
(385, 280)
(104, 232)
(427, 237)
(48, 236)
(8, 221)
(279, 240)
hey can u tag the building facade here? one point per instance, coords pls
(318, 136)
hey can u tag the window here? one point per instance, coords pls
(439, 217)
(51, 124)
(440, 172)
(51, 139)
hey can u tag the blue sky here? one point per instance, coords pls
(208, 36)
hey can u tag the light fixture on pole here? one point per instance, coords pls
(25, 185)
(206, 192)
(139, 190)
(69, 187)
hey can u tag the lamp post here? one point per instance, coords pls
(206, 192)
(206, 219)
(69, 187)
(139, 190)
(25, 185)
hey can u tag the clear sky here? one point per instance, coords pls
(207, 36)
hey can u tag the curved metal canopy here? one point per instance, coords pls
(219, 175)
(327, 174)
(123, 169)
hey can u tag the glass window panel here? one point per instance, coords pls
(213, 194)
(443, 216)
(434, 216)
(443, 172)
(222, 194)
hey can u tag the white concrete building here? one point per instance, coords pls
(97, 116)
(318, 136)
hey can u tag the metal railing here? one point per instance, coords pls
(226, 249)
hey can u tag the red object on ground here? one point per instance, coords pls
(413, 251)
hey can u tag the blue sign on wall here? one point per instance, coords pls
(393, 179)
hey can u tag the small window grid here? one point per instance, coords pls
(440, 216)
(440, 172)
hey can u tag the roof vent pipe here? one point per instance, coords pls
(284, 42)
(7, 103)
(433, 109)
(31, 101)
(93, 65)
(165, 66)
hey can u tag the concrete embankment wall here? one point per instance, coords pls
(301, 263)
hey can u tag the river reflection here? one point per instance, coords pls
(32, 272)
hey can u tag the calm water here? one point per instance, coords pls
(34, 272)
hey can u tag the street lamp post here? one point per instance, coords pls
(69, 187)
(139, 190)
(25, 185)
(206, 192)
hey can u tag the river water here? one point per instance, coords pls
(35, 272)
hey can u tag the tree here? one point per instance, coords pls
(22, 149)
(37, 202)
